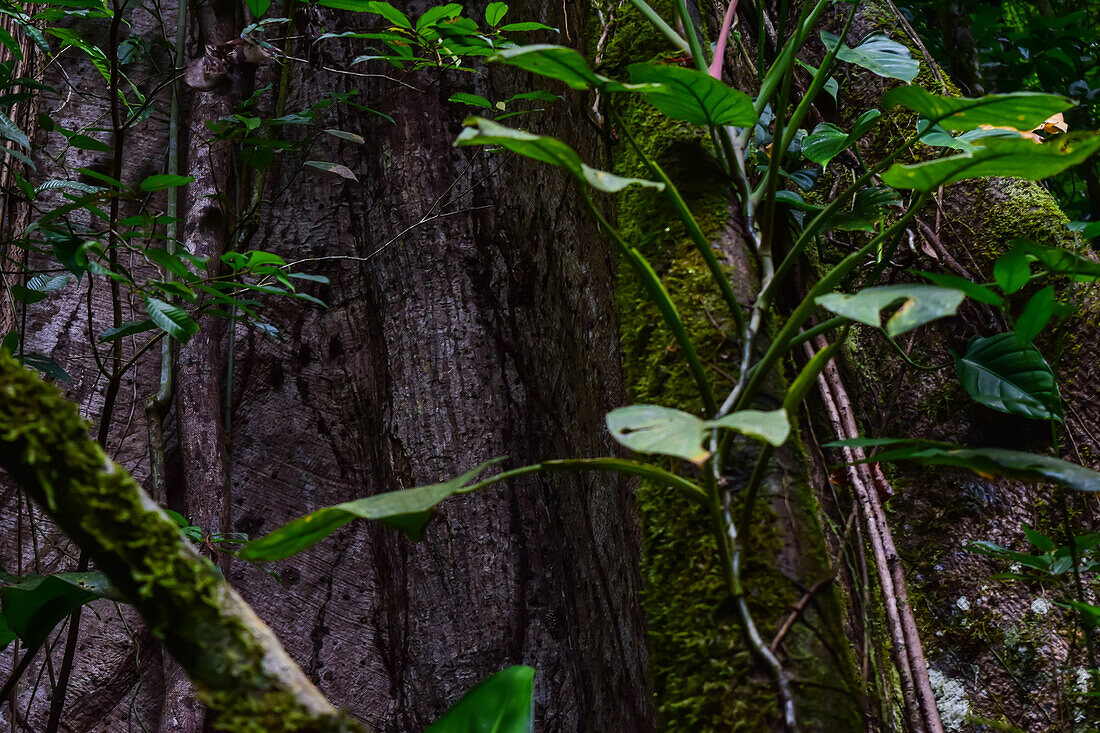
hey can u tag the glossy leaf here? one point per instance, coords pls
(45, 365)
(386, 10)
(971, 289)
(494, 13)
(33, 607)
(1021, 110)
(502, 703)
(171, 319)
(670, 432)
(126, 329)
(694, 96)
(919, 304)
(987, 462)
(480, 131)
(1036, 315)
(1013, 157)
(407, 510)
(827, 140)
(1001, 373)
(878, 54)
(1011, 271)
(558, 62)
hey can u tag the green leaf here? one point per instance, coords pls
(407, 510)
(473, 100)
(670, 432)
(502, 703)
(45, 365)
(1037, 313)
(10, 131)
(526, 26)
(1038, 539)
(126, 329)
(86, 142)
(35, 606)
(163, 181)
(1060, 261)
(919, 305)
(694, 96)
(1011, 271)
(480, 131)
(341, 170)
(386, 10)
(1015, 157)
(494, 13)
(827, 140)
(558, 62)
(1021, 110)
(971, 289)
(878, 54)
(7, 636)
(1001, 373)
(258, 7)
(171, 319)
(987, 462)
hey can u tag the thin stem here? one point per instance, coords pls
(909, 360)
(692, 36)
(723, 37)
(659, 23)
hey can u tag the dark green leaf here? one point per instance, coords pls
(1060, 261)
(171, 319)
(1015, 157)
(10, 131)
(473, 100)
(1022, 110)
(919, 305)
(32, 608)
(694, 96)
(1001, 373)
(126, 329)
(670, 432)
(407, 510)
(524, 27)
(480, 131)
(1038, 539)
(386, 10)
(878, 54)
(973, 290)
(85, 142)
(258, 7)
(987, 462)
(558, 62)
(502, 703)
(1037, 313)
(164, 181)
(46, 365)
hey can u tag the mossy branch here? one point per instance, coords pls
(237, 664)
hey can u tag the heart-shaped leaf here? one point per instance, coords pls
(1021, 110)
(694, 96)
(878, 54)
(480, 131)
(407, 510)
(919, 305)
(670, 432)
(1015, 157)
(827, 140)
(502, 703)
(1008, 376)
(984, 461)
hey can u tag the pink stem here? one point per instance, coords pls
(720, 50)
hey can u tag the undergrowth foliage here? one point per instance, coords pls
(769, 156)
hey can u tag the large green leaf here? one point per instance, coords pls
(971, 289)
(171, 319)
(1060, 261)
(561, 63)
(987, 462)
(670, 432)
(878, 54)
(407, 510)
(1021, 110)
(1016, 157)
(919, 305)
(35, 606)
(694, 96)
(1006, 375)
(502, 703)
(480, 131)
